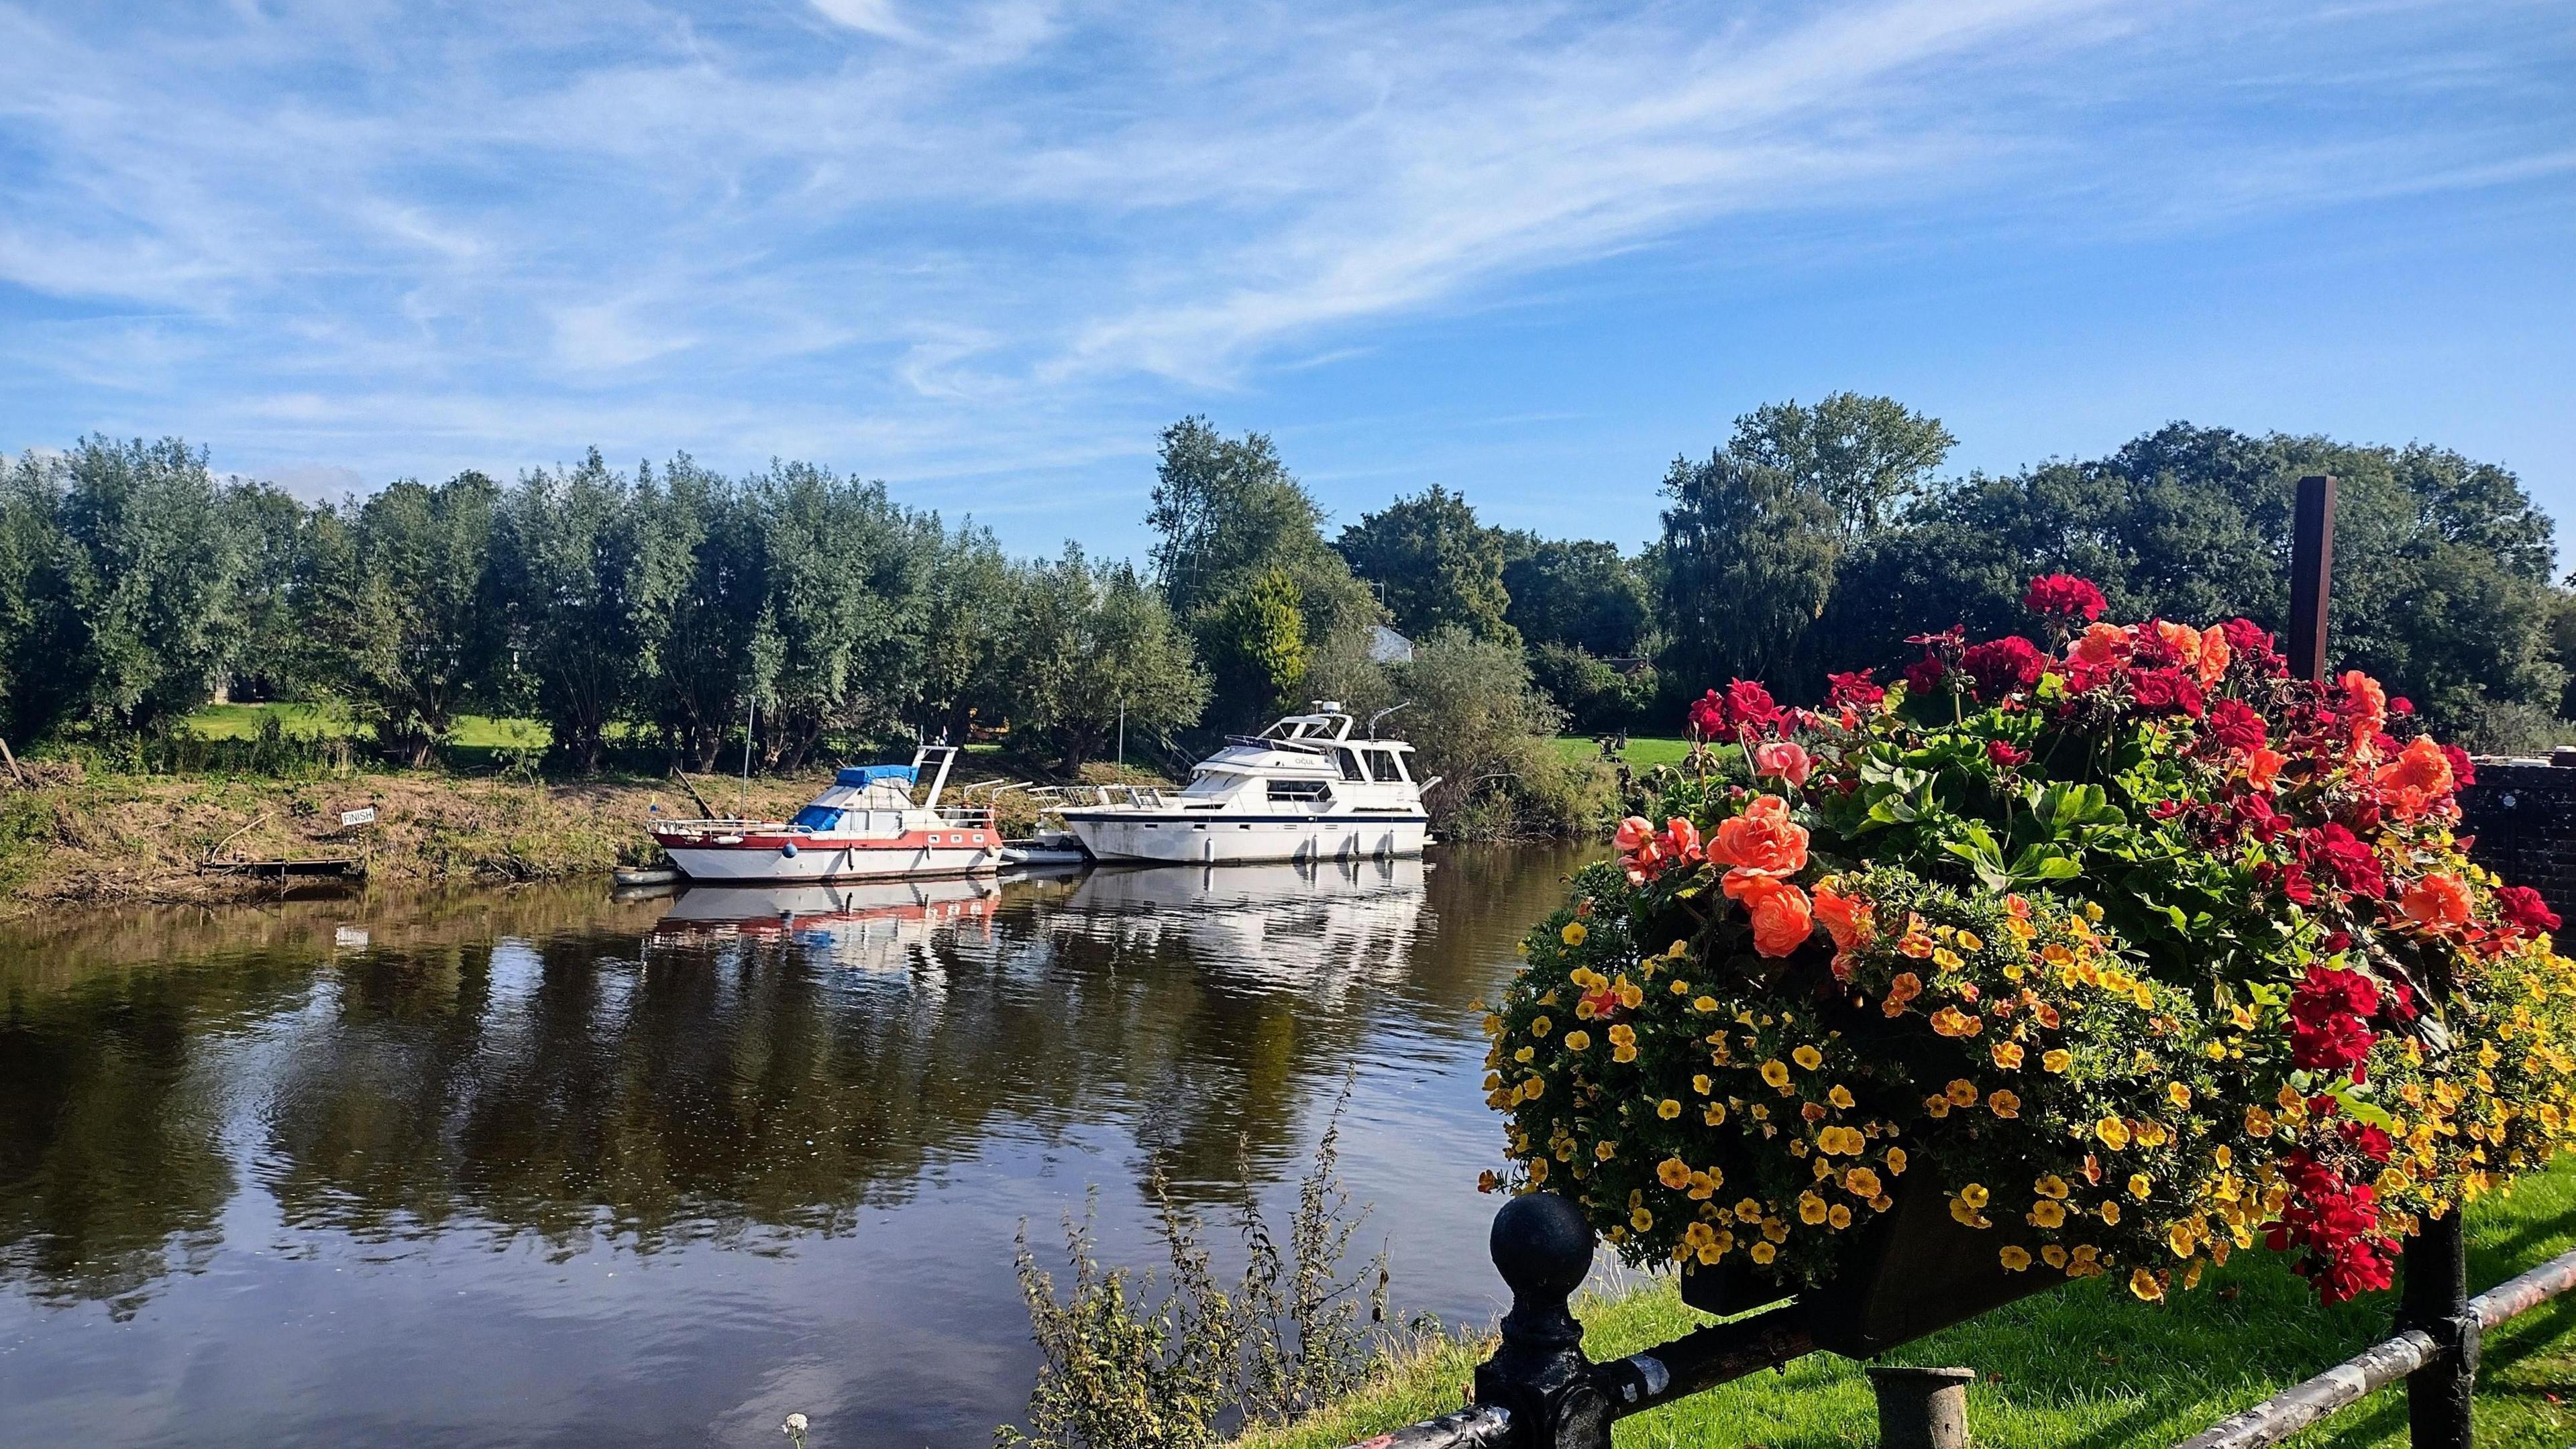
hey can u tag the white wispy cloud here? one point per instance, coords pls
(942, 240)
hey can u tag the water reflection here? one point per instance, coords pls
(436, 1094)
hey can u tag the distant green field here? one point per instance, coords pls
(242, 722)
(1644, 752)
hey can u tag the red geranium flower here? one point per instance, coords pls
(2064, 596)
(2000, 666)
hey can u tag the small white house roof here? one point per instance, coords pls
(1388, 647)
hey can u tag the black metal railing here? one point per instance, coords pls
(1538, 1391)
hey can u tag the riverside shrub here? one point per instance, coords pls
(2130, 946)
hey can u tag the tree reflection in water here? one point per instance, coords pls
(754, 1070)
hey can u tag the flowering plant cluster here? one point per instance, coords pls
(2133, 948)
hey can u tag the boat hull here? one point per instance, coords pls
(755, 860)
(1121, 835)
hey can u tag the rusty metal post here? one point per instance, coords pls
(1922, 1408)
(2311, 576)
(2435, 1299)
(1543, 1248)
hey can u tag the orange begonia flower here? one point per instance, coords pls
(2437, 901)
(2101, 644)
(2415, 778)
(2262, 767)
(1782, 918)
(1848, 919)
(1763, 840)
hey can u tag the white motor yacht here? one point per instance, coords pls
(1302, 790)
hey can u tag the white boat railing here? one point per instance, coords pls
(1092, 797)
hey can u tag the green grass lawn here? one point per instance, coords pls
(242, 722)
(1644, 751)
(2084, 1365)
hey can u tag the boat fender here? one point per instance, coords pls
(788, 850)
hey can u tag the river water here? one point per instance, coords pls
(537, 1167)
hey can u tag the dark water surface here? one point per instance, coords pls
(536, 1167)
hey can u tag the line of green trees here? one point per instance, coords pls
(1818, 538)
(640, 615)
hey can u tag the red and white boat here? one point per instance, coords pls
(865, 827)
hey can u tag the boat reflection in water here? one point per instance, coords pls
(642, 1171)
(868, 926)
(1313, 924)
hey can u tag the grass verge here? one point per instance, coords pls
(2080, 1366)
(1644, 751)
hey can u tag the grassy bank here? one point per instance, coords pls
(2079, 1366)
(100, 838)
(1644, 751)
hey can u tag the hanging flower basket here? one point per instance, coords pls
(2113, 955)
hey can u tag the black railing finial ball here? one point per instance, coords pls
(1543, 1248)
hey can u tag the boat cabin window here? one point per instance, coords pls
(1382, 765)
(1209, 782)
(1350, 763)
(1315, 790)
(819, 817)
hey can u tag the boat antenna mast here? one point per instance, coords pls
(1381, 714)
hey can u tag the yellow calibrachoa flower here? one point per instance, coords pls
(2048, 1213)
(1700, 1084)
(1860, 1182)
(1642, 1220)
(1776, 1072)
(2006, 1054)
(2140, 1186)
(2004, 1104)
(2113, 1132)
(2147, 1286)
(1573, 933)
(1762, 1252)
(2050, 1185)
(1541, 1026)
(2178, 1094)
(1896, 1161)
(1839, 1217)
(1811, 1208)
(1668, 1109)
(2015, 1258)
(1808, 1057)
(1674, 1173)
(1963, 1093)
(1840, 1096)
(2056, 1059)
(1578, 1040)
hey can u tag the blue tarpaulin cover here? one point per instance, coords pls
(863, 775)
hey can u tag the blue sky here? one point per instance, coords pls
(1528, 251)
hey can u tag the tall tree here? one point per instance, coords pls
(705, 583)
(567, 549)
(1092, 644)
(1433, 564)
(1577, 593)
(1257, 644)
(135, 614)
(1226, 511)
(1750, 560)
(834, 651)
(969, 593)
(1867, 456)
(406, 614)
